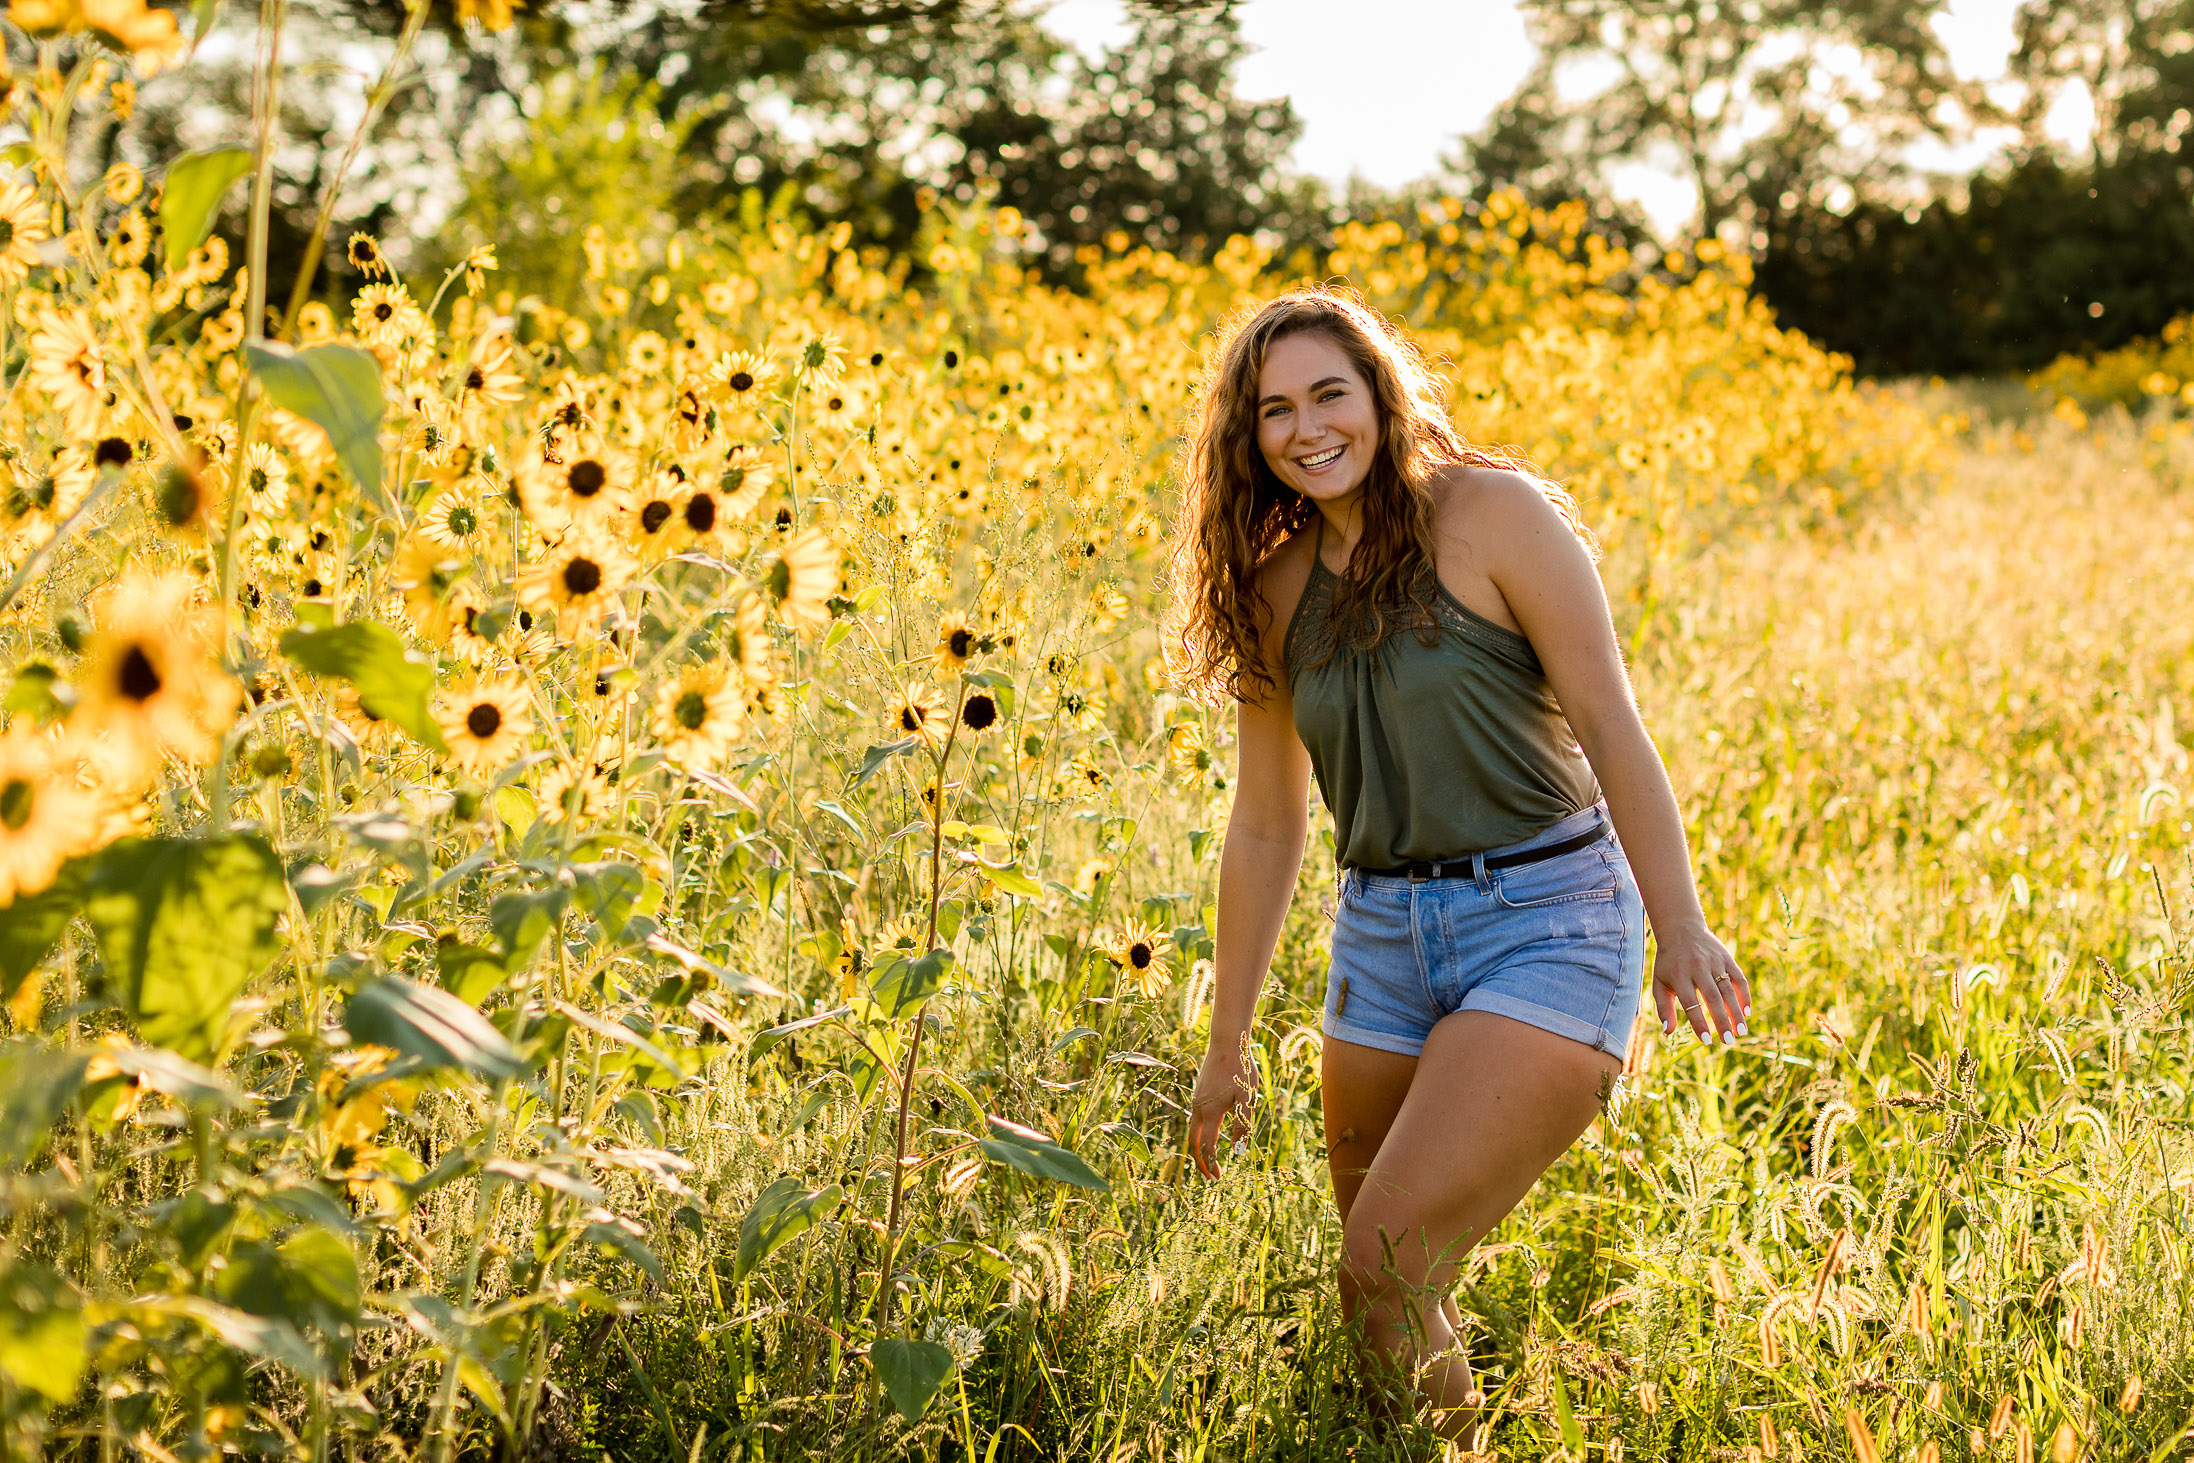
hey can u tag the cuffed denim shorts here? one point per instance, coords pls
(1558, 944)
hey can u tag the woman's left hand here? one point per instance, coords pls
(1694, 973)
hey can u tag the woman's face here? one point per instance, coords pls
(1317, 424)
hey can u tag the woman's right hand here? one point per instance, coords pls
(1223, 1083)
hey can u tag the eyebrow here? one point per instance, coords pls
(1319, 385)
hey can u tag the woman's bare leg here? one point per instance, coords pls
(1427, 1156)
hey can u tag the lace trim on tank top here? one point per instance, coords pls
(1311, 637)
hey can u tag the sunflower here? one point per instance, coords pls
(1138, 954)
(149, 680)
(372, 731)
(426, 572)
(586, 485)
(656, 526)
(1186, 753)
(698, 712)
(489, 381)
(745, 477)
(577, 790)
(266, 481)
(1088, 776)
(485, 722)
(922, 713)
(747, 645)
(67, 368)
(132, 236)
(955, 642)
(22, 227)
(743, 377)
(364, 253)
(647, 353)
(382, 314)
(465, 640)
(840, 408)
(46, 816)
(979, 711)
(821, 362)
(535, 644)
(453, 519)
(578, 578)
(35, 500)
(803, 577)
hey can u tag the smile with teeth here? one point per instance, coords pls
(1322, 458)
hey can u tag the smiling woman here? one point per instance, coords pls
(1489, 934)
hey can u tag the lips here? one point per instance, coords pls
(1321, 459)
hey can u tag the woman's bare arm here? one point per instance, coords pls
(1258, 865)
(1554, 592)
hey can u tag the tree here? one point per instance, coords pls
(1759, 104)
(2134, 59)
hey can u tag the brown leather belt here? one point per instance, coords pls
(1460, 868)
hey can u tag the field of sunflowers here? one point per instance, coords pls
(620, 876)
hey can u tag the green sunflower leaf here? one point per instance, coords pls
(392, 683)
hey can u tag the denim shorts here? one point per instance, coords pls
(1558, 944)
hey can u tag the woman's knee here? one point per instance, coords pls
(1382, 1246)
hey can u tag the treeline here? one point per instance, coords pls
(1795, 121)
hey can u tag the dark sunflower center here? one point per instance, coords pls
(112, 451)
(384, 312)
(960, 642)
(742, 380)
(979, 713)
(178, 496)
(1139, 955)
(910, 719)
(587, 478)
(837, 403)
(7, 233)
(654, 516)
(582, 577)
(16, 800)
(732, 478)
(140, 679)
(256, 480)
(313, 588)
(691, 710)
(484, 720)
(463, 521)
(475, 379)
(701, 512)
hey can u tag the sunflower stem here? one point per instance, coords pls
(890, 1262)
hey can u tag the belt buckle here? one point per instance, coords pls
(1423, 870)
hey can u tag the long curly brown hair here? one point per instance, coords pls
(1233, 511)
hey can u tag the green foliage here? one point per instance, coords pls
(191, 197)
(183, 925)
(392, 682)
(335, 387)
(912, 1372)
(1035, 1154)
(431, 1026)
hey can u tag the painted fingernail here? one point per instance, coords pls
(1741, 1029)
(1729, 1038)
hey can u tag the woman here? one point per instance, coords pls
(1423, 628)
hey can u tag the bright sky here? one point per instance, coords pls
(1386, 93)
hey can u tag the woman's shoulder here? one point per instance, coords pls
(1469, 489)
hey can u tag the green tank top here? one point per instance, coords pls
(1429, 751)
